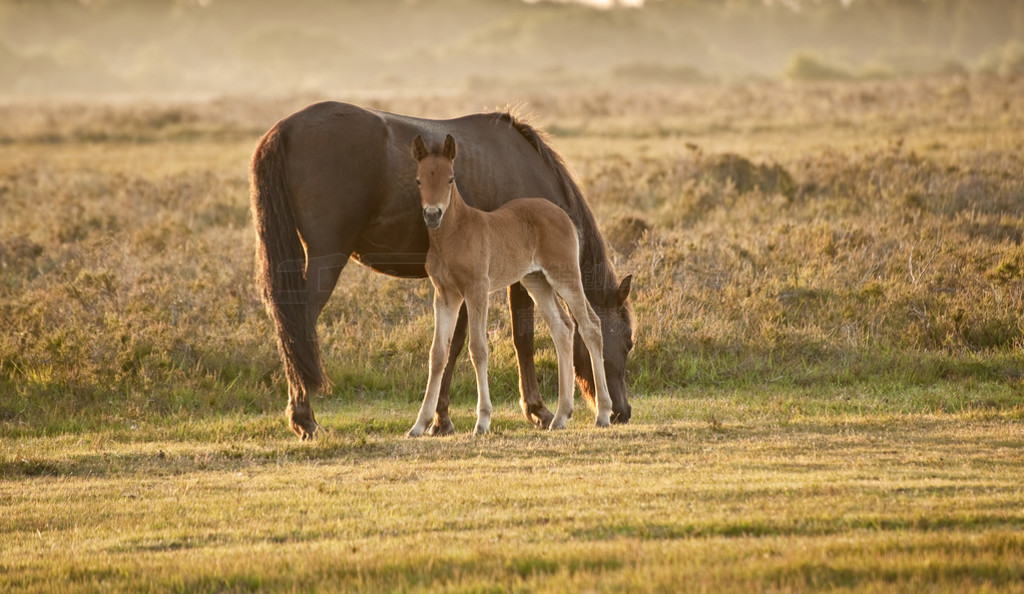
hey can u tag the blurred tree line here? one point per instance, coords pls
(247, 45)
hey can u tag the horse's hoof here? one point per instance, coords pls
(557, 424)
(481, 430)
(302, 422)
(305, 432)
(416, 431)
(445, 427)
(540, 417)
(603, 421)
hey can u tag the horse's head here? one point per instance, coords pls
(617, 327)
(435, 176)
(617, 317)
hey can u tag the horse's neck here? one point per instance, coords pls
(598, 277)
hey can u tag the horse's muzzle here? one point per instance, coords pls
(432, 216)
(622, 416)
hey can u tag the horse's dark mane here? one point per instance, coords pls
(597, 269)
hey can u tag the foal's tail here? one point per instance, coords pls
(281, 266)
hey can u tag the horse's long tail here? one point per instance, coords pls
(281, 266)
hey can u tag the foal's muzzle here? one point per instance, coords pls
(432, 216)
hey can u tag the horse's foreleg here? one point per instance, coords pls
(446, 312)
(442, 419)
(477, 313)
(521, 307)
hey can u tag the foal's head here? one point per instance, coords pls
(435, 175)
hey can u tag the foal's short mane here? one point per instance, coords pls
(597, 269)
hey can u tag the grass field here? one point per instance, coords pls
(828, 383)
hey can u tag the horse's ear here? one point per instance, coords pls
(623, 291)
(419, 148)
(449, 147)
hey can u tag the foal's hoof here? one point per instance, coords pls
(603, 421)
(557, 424)
(481, 430)
(442, 428)
(416, 431)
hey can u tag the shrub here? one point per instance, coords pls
(805, 66)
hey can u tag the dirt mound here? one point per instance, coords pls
(745, 176)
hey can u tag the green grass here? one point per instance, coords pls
(711, 491)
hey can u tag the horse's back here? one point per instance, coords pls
(351, 177)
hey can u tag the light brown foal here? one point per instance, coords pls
(472, 253)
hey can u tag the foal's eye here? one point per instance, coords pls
(451, 180)
(419, 183)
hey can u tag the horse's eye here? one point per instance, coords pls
(451, 180)
(419, 183)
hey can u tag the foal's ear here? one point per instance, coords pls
(623, 291)
(449, 147)
(419, 148)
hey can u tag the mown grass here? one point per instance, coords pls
(711, 492)
(827, 385)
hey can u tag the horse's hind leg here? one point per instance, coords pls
(589, 326)
(322, 274)
(561, 334)
(521, 307)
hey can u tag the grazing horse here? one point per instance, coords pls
(472, 252)
(334, 181)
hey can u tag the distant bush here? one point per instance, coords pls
(1006, 62)
(805, 66)
(921, 61)
(650, 72)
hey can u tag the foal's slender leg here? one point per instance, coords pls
(442, 419)
(561, 334)
(521, 307)
(589, 326)
(476, 306)
(446, 311)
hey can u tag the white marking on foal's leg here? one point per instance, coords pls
(445, 316)
(478, 352)
(589, 325)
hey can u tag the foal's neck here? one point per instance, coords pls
(450, 223)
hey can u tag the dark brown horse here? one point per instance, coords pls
(334, 181)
